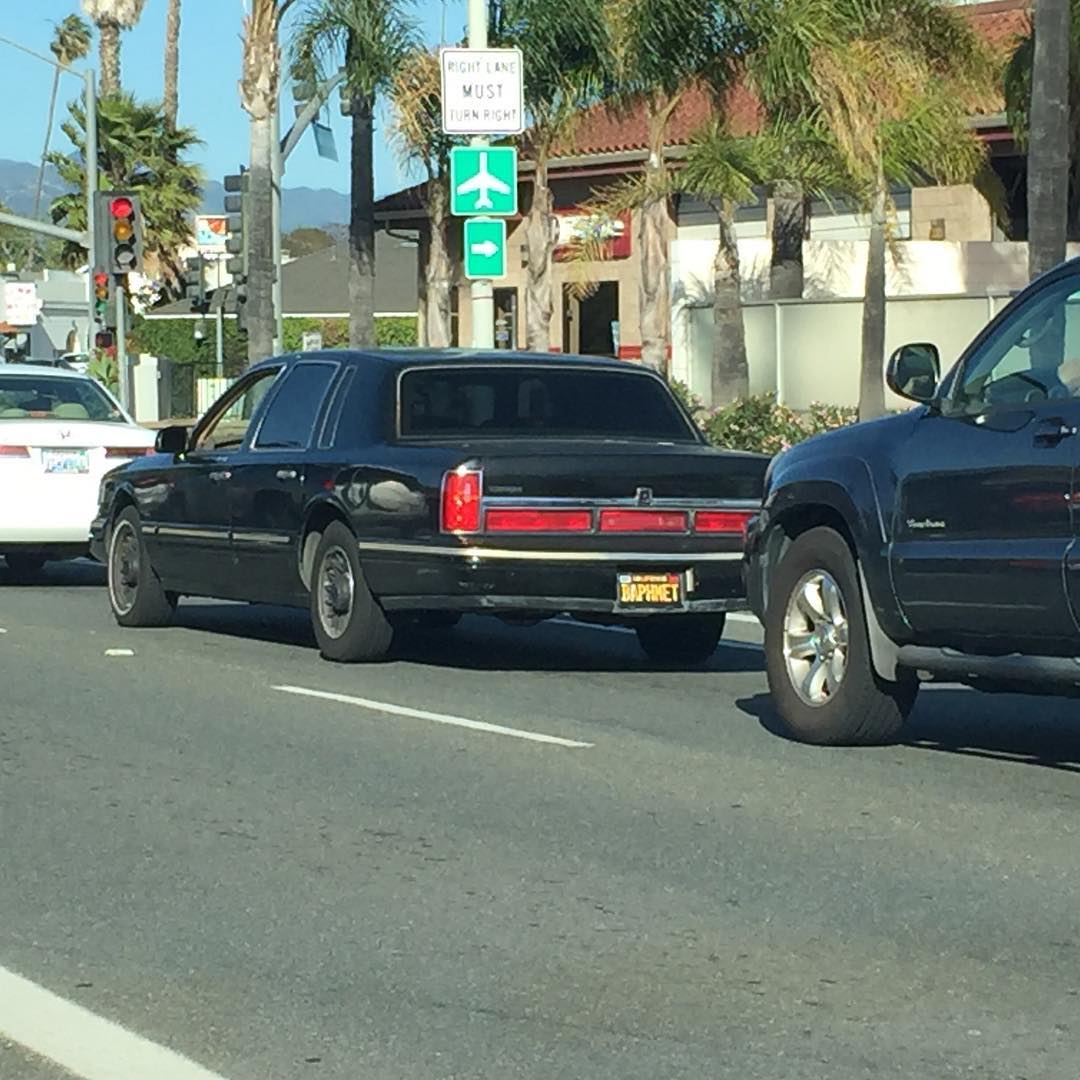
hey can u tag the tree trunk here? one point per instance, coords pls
(872, 380)
(788, 233)
(439, 271)
(730, 372)
(260, 243)
(172, 63)
(109, 47)
(362, 227)
(423, 261)
(540, 247)
(1048, 153)
(48, 136)
(654, 290)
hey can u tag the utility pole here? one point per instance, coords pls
(483, 293)
(90, 101)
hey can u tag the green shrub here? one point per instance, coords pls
(693, 403)
(761, 425)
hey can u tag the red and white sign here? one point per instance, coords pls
(21, 303)
(613, 232)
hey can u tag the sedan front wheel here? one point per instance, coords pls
(136, 593)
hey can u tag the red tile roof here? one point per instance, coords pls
(603, 131)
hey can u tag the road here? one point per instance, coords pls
(277, 885)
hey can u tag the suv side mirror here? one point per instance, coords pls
(171, 440)
(914, 371)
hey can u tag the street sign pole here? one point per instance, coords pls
(483, 294)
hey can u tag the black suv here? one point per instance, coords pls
(940, 544)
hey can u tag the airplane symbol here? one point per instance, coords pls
(483, 183)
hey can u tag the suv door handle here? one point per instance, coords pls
(286, 474)
(217, 477)
(1053, 432)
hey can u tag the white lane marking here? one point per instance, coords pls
(743, 616)
(435, 718)
(725, 643)
(85, 1044)
(119, 652)
(2, 630)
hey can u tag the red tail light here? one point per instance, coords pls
(525, 520)
(722, 522)
(14, 451)
(654, 521)
(461, 501)
(128, 451)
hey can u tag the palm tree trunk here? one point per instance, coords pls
(362, 226)
(109, 47)
(730, 372)
(788, 232)
(654, 290)
(1048, 156)
(48, 137)
(540, 247)
(439, 271)
(871, 379)
(260, 242)
(172, 63)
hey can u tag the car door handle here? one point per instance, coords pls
(218, 477)
(286, 474)
(1054, 432)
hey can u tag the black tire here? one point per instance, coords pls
(349, 624)
(861, 709)
(136, 594)
(24, 564)
(680, 639)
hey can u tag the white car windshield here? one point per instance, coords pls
(27, 396)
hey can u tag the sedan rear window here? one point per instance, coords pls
(36, 397)
(538, 402)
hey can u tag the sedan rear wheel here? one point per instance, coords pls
(135, 590)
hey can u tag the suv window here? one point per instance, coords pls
(538, 402)
(290, 419)
(1034, 356)
(229, 419)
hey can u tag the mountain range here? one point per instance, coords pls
(300, 206)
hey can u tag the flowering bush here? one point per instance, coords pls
(760, 424)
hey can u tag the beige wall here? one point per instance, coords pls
(960, 209)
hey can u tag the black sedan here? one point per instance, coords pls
(389, 487)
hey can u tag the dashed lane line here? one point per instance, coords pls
(435, 718)
(83, 1043)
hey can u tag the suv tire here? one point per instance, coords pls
(136, 594)
(349, 624)
(817, 651)
(680, 639)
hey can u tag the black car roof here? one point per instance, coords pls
(405, 358)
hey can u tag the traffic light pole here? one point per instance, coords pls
(90, 96)
(121, 346)
(482, 292)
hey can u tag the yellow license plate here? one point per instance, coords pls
(650, 591)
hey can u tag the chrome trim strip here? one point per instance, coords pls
(193, 534)
(528, 555)
(262, 538)
(512, 501)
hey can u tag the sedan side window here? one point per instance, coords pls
(290, 420)
(228, 421)
(1033, 357)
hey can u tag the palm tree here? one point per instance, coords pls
(564, 45)
(258, 95)
(70, 43)
(136, 152)
(897, 98)
(1018, 75)
(415, 94)
(1049, 135)
(372, 38)
(172, 62)
(657, 49)
(110, 17)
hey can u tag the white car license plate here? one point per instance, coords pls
(65, 462)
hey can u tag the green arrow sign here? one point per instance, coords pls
(485, 248)
(483, 180)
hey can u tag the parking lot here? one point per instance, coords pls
(512, 852)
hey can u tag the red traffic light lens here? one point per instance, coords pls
(101, 279)
(121, 208)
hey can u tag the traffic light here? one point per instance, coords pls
(236, 210)
(119, 235)
(102, 295)
(195, 284)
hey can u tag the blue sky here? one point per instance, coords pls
(209, 72)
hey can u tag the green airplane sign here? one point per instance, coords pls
(485, 248)
(483, 180)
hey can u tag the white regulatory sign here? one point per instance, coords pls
(482, 92)
(21, 303)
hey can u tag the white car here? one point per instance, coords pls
(60, 432)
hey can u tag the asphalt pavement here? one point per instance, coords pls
(509, 852)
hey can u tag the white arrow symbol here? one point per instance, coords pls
(487, 248)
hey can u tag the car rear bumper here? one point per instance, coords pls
(415, 577)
